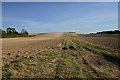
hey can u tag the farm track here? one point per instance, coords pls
(85, 59)
(96, 71)
(87, 62)
(63, 57)
(98, 62)
(108, 69)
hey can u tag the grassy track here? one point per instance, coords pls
(70, 59)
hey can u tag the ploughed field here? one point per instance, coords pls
(60, 55)
(107, 40)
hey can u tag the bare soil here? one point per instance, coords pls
(60, 55)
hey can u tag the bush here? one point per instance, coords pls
(11, 33)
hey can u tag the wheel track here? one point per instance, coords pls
(85, 58)
(93, 68)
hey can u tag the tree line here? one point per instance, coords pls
(11, 32)
(109, 32)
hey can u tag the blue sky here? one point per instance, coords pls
(0, 14)
(82, 17)
(60, 1)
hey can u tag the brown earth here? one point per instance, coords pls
(107, 40)
(60, 55)
(12, 47)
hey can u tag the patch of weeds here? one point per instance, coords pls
(29, 57)
(88, 72)
(72, 47)
(59, 68)
(67, 66)
(91, 45)
(74, 54)
(109, 57)
(92, 48)
(4, 68)
(15, 61)
(57, 77)
(42, 60)
(6, 75)
(97, 46)
(16, 67)
(64, 48)
(73, 66)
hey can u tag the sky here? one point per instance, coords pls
(60, 1)
(0, 14)
(81, 17)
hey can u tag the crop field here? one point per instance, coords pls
(61, 56)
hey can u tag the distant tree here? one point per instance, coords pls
(2, 33)
(117, 32)
(24, 32)
(11, 30)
